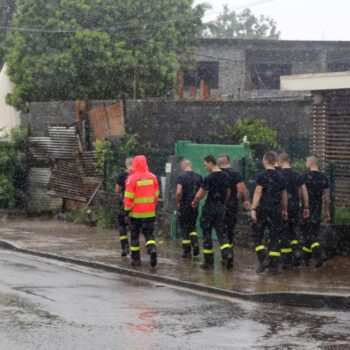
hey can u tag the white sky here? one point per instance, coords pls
(297, 19)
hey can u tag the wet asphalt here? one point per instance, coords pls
(52, 305)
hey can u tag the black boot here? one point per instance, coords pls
(186, 250)
(153, 256)
(125, 247)
(227, 258)
(195, 244)
(208, 263)
(262, 266)
(135, 258)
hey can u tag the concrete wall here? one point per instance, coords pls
(163, 123)
(237, 57)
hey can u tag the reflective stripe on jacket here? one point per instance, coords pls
(142, 191)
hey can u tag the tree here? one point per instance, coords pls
(107, 48)
(7, 9)
(243, 25)
(261, 137)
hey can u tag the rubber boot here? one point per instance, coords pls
(135, 258)
(319, 256)
(153, 256)
(186, 250)
(125, 247)
(227, 258)
(262, 258)
(195, 244)
(287, 260)
(208, 262)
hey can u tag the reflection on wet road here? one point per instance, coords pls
(49, 305)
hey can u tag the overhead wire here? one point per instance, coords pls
(151, 23)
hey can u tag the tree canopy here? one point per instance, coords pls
(7, 9)
(243, 25)
(104, 48)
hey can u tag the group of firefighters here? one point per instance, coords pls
(282, 200)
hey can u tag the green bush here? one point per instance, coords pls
(13, 168)
(299, 165)
(342, 215)
(7, 192)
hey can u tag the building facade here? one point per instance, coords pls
(248, 68)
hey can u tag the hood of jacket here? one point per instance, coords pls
(140, 165)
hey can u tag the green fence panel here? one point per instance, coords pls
(197, 152)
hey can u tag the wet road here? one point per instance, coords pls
(52, 305)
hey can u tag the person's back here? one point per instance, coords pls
(293, 181)
(272, 183)
(142, 190)
(235, 178)
(191, 183)
(216, 183)
(141, 197)
(316, 183)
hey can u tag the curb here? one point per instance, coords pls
(285, 298)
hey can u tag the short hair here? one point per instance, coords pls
(128, 161)
(186, 162)
(224, 156)
(313, 159)
(210, 159)
(270, 157)
(284, 157)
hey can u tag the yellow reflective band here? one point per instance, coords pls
(294, 242)
(193, 234)
(274, 254)
(225, 246)
(123, 238)
(208, 251)
(315, 245)
(157, 193)
(145, 182)
(135, 249)
(151, 242)
(127, 208)
(144, 200)
(260, 247)
(286, 250)
(143, 215)
(186, 241)
(307, 250)
(129, 195)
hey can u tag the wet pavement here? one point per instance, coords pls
(45, 304)
(91, 244)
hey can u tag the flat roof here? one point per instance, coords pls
(316, 82)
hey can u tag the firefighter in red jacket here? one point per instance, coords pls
(141, 197)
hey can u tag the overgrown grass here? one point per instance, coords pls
(102, 217)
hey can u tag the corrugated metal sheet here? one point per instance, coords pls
(40, 197)
(67, 180)
(62, 143)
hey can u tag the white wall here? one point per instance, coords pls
(9, 116)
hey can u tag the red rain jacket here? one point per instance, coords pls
(141, 191)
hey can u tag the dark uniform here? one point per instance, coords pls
(269, 216)
(289, 242)
(316, 183)
(235, 178)
(214, 216)
(187, 216)
(122, 222)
